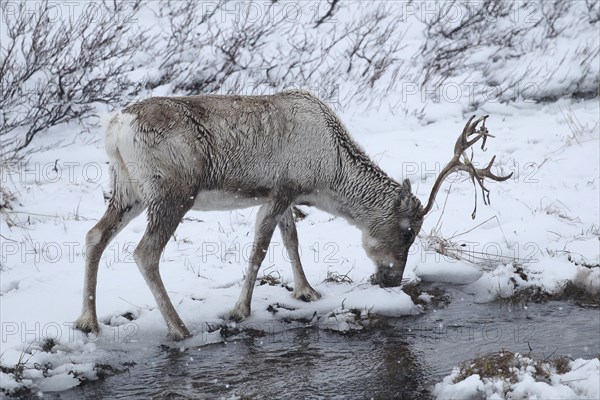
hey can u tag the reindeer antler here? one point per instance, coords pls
(462, 144)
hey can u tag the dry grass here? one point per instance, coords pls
(439, 297)
(579, 295)
(569, 292)
(494, 365)
(18, 373)
(505, 364)
(7, 197)
(48, 344)
(273, 278)
(455, 247)
(531, 294)
(358, 321)
(104, 371)
(336, 277)
(562, 364)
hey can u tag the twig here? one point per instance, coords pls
(128, 302)
(470, 230)
(551, 354)
(9, 239)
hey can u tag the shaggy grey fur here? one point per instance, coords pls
(210, 152)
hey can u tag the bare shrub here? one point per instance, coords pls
(499, 45)
(593, 11)
(55, 70)
(448, 43)
(208, 50)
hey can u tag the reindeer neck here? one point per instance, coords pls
(362, 192)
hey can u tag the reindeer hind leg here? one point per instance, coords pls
(115, 218)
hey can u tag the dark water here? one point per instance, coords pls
(401, 361)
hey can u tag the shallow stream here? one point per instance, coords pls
(401, 361)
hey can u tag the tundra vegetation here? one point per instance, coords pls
(415, 73)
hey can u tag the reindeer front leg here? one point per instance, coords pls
(302, 289)
(266, 221)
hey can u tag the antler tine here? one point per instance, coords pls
(477, 174)
(487, 172)
(463, 142)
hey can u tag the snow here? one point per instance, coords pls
(581, 382)
(57, 383)
(545, 219)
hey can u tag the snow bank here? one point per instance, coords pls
(528, 379)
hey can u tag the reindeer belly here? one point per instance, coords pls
(220, 200)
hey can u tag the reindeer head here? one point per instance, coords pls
(388, 238)
(388, 242)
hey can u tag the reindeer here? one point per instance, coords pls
(213, 152)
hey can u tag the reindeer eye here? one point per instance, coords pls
(406, 234)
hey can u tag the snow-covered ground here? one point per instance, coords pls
(546, 214)
(525, 378)
(542, 229)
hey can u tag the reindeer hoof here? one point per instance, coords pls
(179, 335)
(239, 313)
(87, 325)
(306, 293)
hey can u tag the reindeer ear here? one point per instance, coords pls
(406, 185)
